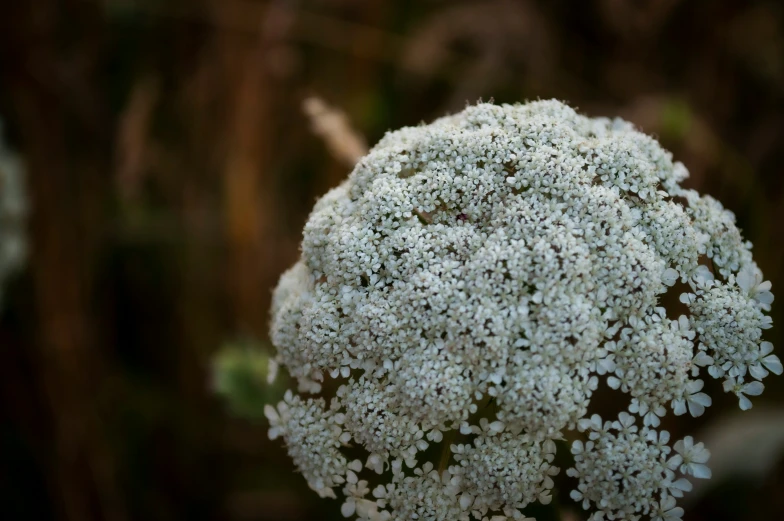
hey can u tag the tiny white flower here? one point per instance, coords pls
(679, 486)
(766, 362)
(750, 280)
(693, 399)
(691, 458)
(741, 390)
(667, 510)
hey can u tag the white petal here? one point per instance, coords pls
(746, 278)
(679, 407)
(496, 426)
(702, 399)
(753, 388)
(758, 372)
(675, 461)
(605, 365)
(669, 277)
(700, 471)
(703, 274)
(683, 322)
(703, 359)
(695, 409)
(764, 297)
(348, 508)
(465, 501)
(271, 413)
(773, 364)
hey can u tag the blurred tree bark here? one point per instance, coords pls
(51, 54)
(249, 197)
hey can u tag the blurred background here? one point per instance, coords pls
(170, 167)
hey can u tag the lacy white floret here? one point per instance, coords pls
(463, 294)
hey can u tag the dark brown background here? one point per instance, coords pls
(170, 171)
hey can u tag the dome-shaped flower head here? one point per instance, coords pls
(472, 283)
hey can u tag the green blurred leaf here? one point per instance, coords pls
(240, 372)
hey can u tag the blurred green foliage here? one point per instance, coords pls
(240, 376)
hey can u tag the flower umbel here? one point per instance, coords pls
(472, 283)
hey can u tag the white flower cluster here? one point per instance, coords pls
(463, 294)
(628, 472)
(13, 209)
